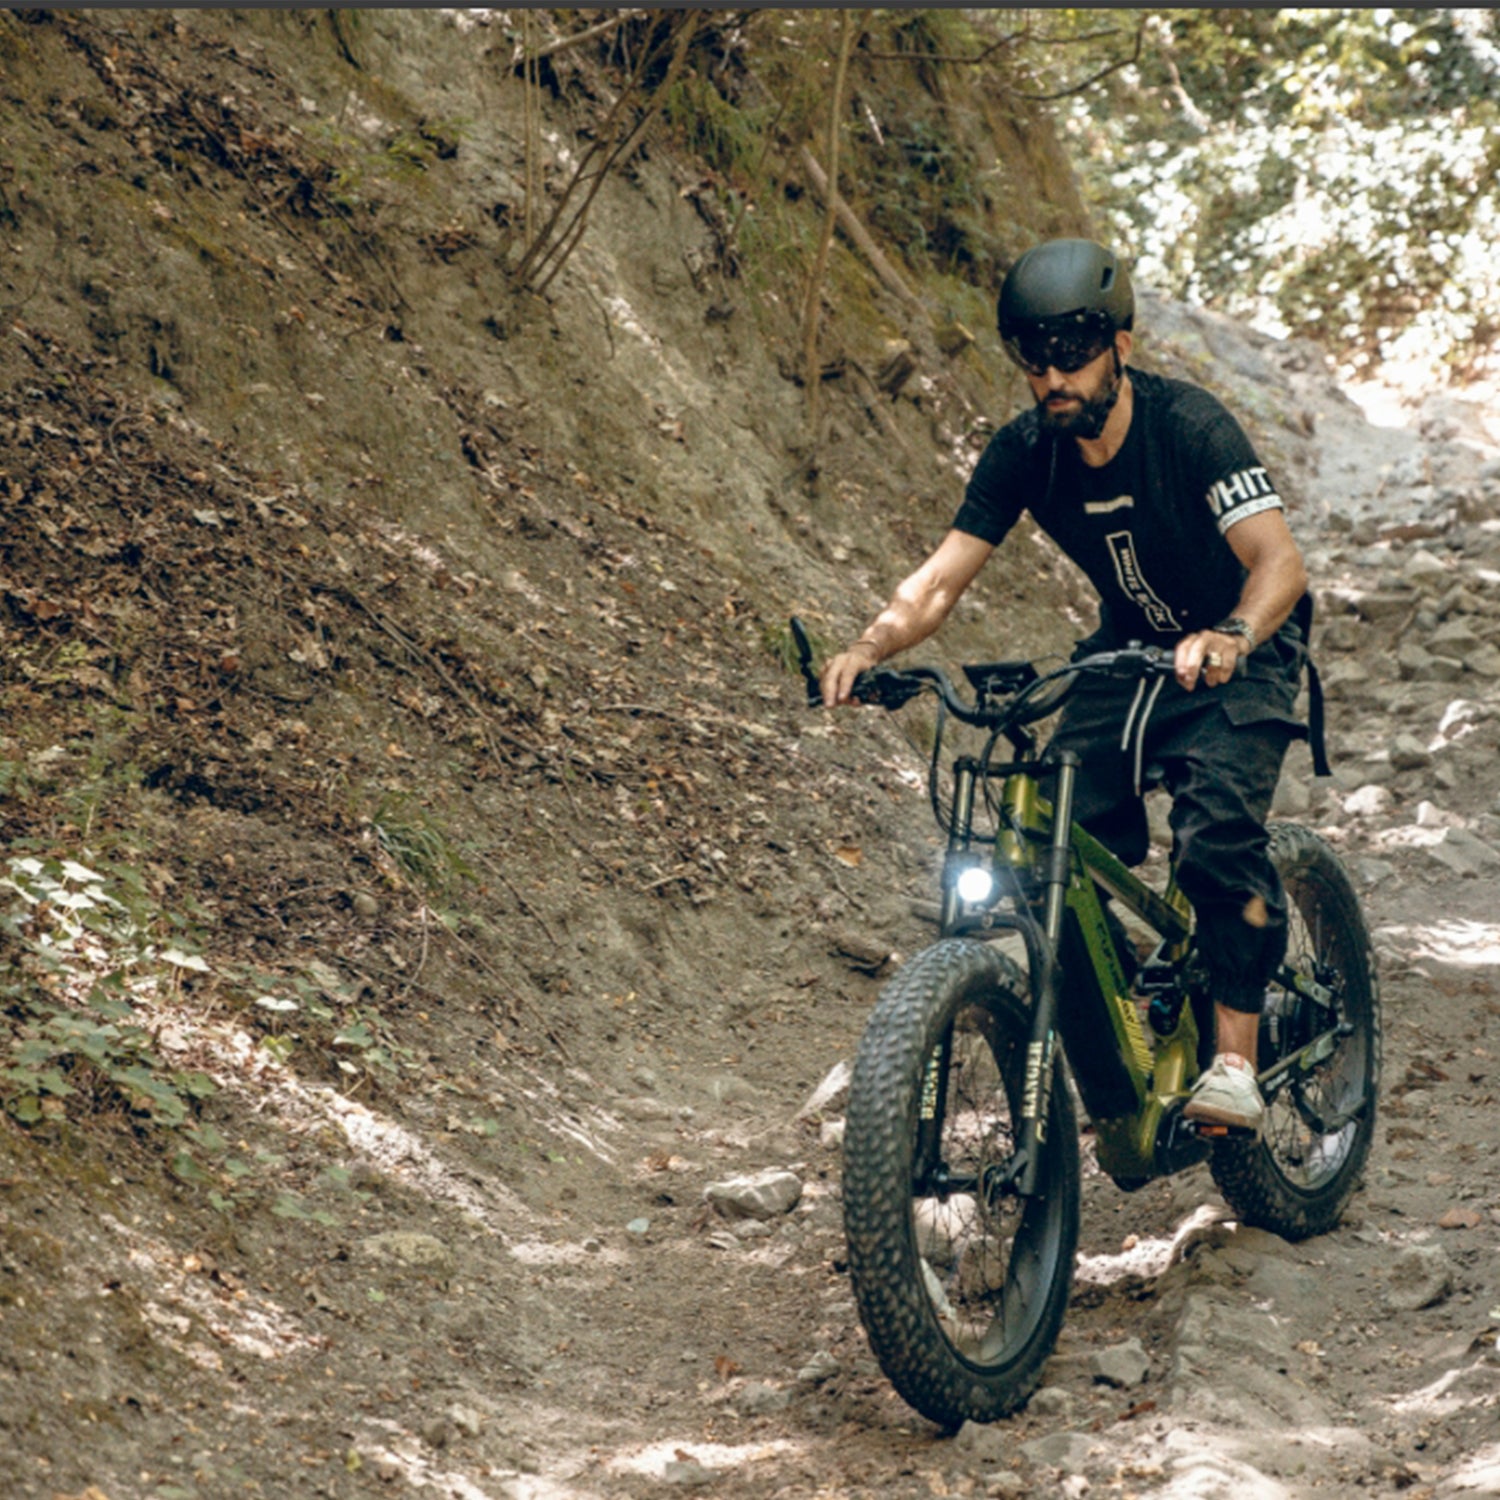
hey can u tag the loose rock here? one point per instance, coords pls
(1123, 1365)
(762, 1195)
(985, 1442)
(1420, 1276)
(822, 1366)
(408, 1249)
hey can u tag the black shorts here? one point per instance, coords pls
(1218, 752)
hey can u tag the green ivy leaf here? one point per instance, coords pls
(54, 1083)
(160, 1098)
(188, 1170)
(206, 1137)
(196, 1085)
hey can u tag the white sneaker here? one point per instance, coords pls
(1227, 1095)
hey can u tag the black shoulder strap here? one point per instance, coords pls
(1316, 741)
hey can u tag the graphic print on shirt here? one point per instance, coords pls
(1242, 495)
(1128, 571)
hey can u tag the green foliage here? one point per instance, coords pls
(728, 139)
(79, 982)
(90, 987)
(1330, 173)
(419, 846)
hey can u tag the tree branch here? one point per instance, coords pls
(1093, 78)
(857, 232)
(848, 33)
(522, 57)
(950, 57)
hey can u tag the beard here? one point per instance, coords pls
(1086, 418)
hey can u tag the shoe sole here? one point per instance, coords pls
(1208, 1115)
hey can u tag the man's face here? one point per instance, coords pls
(1077, 403)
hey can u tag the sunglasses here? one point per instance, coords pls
(1064, 344)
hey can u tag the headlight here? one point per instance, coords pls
(976, 885)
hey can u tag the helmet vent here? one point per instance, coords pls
(1108, 279)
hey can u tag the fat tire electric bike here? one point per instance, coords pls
(961, 1172)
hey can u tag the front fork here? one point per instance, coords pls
(1021, 1172)
(1041, 1046)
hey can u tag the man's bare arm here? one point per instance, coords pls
(920, 604)
(1276, 580)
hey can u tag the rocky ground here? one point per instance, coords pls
(537, 913)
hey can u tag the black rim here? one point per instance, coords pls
(986, 1257)
(1323, 949)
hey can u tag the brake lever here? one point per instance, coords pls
(1136, 660)
(804, 663)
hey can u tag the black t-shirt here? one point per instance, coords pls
(1148, 527)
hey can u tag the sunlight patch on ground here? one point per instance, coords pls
(1479, 1473)
(377, 1139)
(400, 1153)
(402, 1459)
(1441, 1398)
(656, 1459)
(1147, 1257)
(1215, 1477)
(539, 1487)
(547, 1107)
(540, 1253)
(190, 1303)
(1467, 944)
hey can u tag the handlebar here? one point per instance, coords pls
(1008, 695)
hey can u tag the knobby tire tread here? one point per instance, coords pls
(880, 1131)
(1246, 1172)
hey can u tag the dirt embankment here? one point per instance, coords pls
(397, 656)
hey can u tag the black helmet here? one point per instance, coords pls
(1062, 304)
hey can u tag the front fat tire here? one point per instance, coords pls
(1293, 1181)
(1008, 1267)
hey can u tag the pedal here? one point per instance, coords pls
(1211, 1130)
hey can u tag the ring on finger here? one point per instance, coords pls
(1213, 659)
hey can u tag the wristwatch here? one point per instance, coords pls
(1234, 625)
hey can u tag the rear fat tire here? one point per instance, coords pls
(924, 1327)
(1292, 1181)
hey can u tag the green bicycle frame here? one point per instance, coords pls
(1133, 1089)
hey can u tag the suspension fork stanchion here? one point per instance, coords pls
(960, 828)
(1041, 1049)
(935, 1078)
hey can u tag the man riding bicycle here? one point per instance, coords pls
(1152, 488)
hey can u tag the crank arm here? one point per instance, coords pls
(1292, 1070)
